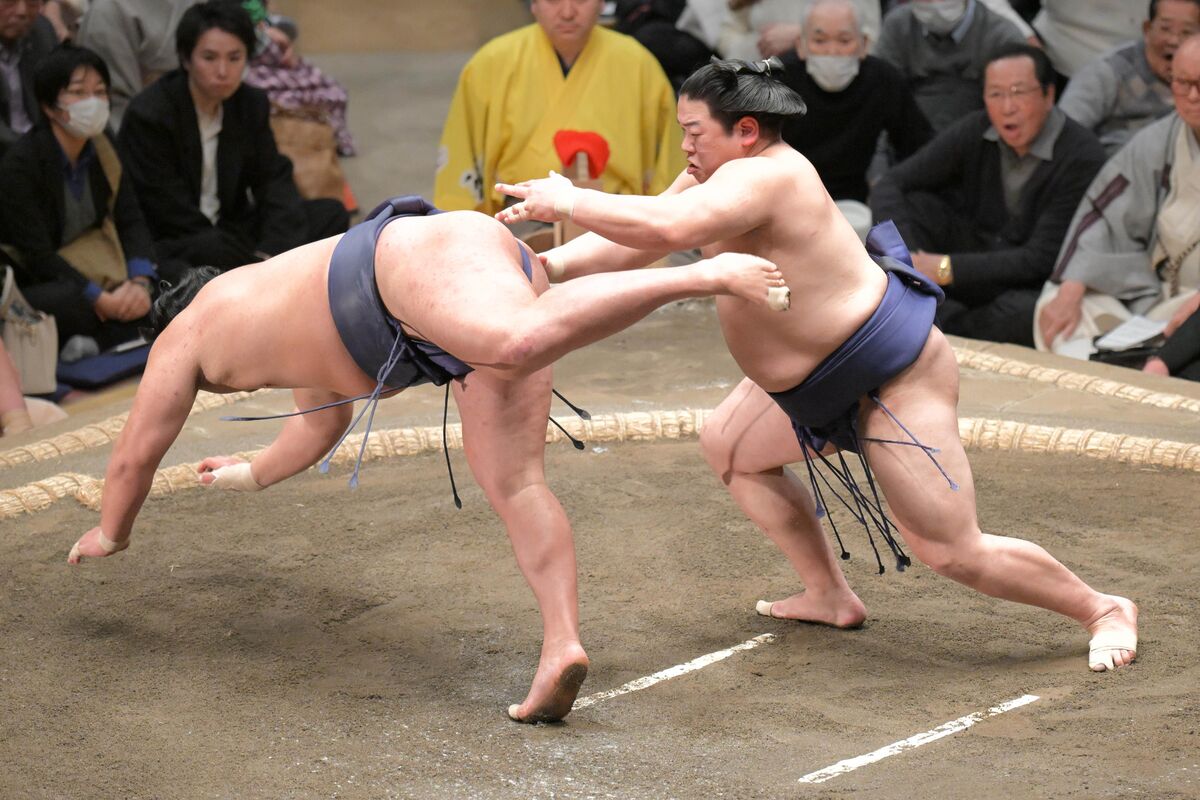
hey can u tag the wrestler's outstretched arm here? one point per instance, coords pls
(737, 198)
(300, 444)
(161, 407)
(592, 253)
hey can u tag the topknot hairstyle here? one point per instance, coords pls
(172, 300)
(733, 89)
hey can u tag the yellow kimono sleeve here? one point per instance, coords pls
(462, 167)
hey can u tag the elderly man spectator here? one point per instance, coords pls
(198, 144)
(25, 39)
(852, 97)
(136, 38)
(1125, 90)
(560, 73)
(754, 29)
(941, 47)
(986, 203)
(1074, 32)
(70, 211)
(1134, 245)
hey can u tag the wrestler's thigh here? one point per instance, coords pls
(504, 428)
(924, 397)
(749, 432)
(471, 302)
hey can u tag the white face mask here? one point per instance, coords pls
(832, 73)
(86, 118)
(939, 16)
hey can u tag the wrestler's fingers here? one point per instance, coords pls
(513, 190)
(73, 556)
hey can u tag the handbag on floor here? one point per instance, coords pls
(31, 338)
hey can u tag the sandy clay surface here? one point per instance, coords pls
(313, 642)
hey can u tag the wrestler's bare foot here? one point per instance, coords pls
(746, 276)
(560, 674)
(839, 609)
(1114, 635)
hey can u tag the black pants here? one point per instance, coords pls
(225, 249)
(74, 315)
(933, 225)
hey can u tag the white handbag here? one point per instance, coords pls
(31, 338)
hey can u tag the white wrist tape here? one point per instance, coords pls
(779, 298)
(564, 204)
(235, 478)
(556, 267)
(109, 545)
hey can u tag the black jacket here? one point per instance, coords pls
(840, 131)
(32, 208)
(34, 47)
(963, 169)
(160, 146)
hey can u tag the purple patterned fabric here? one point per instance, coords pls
(304, 89)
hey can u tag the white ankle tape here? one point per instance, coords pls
(779, 298)
(235, 478)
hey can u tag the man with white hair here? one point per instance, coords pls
(852, 97)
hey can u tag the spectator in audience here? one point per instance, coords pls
(756, 29)
(941, 47)
(1134, 244)
(985, 205)
(852, 97)
(69, 208)
(198, 145)
(291, 82)
(563, 72)
(655, 25)
(1074, 32)
(1126, 89)
(1180, 356)
(64, 16)
(25, 39)
(136, 39)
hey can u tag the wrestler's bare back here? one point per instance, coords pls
(835, 284)
(280, 307)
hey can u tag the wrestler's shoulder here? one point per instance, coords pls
(782, 169)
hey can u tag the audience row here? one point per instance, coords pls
(93, 221)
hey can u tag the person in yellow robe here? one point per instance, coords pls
(563, 72)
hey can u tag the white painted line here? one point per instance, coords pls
(673, 672)
(954, 726)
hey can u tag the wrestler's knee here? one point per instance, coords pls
(717, 448)
(959, 561)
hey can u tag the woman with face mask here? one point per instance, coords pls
(70, 213)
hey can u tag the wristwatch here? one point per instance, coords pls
(945, 274)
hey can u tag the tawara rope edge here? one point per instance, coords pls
(105, 432)
(980, 434)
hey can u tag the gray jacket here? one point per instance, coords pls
(1117, 95)
(1112, 235)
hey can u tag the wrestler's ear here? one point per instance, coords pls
(747, 131)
